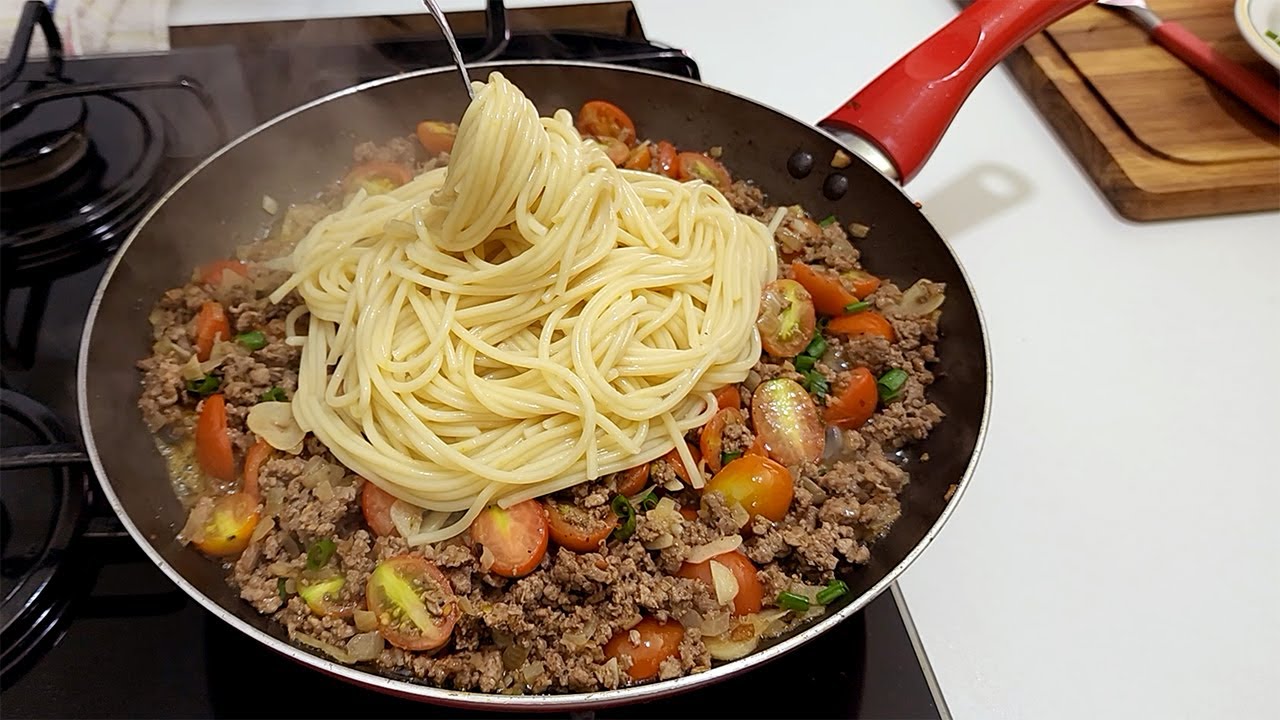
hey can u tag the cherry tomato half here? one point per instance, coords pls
(658, 641)
(863, 283)
(212, 325)
(232, 522)
(436, 136)
(617, 150)
(632, 480)
(856, 401)
(579, 529)
(696, 166)
(640, 158)
(867, 322)
(786, 417)
(211, 274)
(604, 119)
(711, 440)
(516, 536)
(213, 442)
(728, 397)
(760, 485)
(829, 294)
(786, 319)
(375, 504)
(750, 595)
(322, 596)
(667, 159)
(413, 601)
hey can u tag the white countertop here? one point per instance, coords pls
(1118, 553)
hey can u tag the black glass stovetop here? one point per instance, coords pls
(131, 644)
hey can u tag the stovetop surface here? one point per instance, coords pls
(134, 645)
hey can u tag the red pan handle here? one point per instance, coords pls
(1258, 93)
(905, 110)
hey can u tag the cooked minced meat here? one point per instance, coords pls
(549, 629)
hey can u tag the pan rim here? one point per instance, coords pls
(466, 699)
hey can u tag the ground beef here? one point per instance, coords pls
(546, 631)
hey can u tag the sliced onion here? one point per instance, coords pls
(716, 624)
(722, 647)
(691, 619)
(190, 370)
(714, 548)
(270, 205)
(920, 299)
(739, 514)
(514, 655)
(275, 500)
(323, 491)
(334, 651)
(575, 641)
(486, 558)
(533, 670)
(365, 620)
(726, 585)
(663, 541)
(273, 422)
(407, 518)
(197, 521)
(261, 529)
(744, 636)
(365, 646)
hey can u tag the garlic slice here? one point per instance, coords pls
(273, 422)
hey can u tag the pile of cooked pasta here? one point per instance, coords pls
(526, 319)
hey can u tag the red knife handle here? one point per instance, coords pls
(908, 107)
(1244, 83)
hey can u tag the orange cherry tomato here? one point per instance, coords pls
(377, 176)
(579, 529)
(640, 158)
(658, 641)
(617, 150)
(211, 325)
(213, 443)
(867, 322)
(604, 119)
(750, 595)
(728, 397)
(830, 296)
(253, 460)
(786, 319)
(211, 273)
(436, 136)
(413, 601)
(516, 536)
(696, 166)
(786, 417)
(863, 283)
(667, 159)
(761, 486)
(711, 440)
(856, 401)
(375, 504)
(633, 480)
(232, 522)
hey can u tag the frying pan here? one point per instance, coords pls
(891, 126)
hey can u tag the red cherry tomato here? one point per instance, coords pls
(786, 417)
(867, 322)
(632, 480)
(750, 595)
(375, 504)
(232, 522)
(863, 283)
(829, 294)
(658, 641)
(516, 536)
(413, 601)
(579, 529)
(786, 319)
(212, 325)
(213, 443)
(696, 166)
(253, 460)
(761, 486)
(604, 119)
(437, 137)
(667, 159)
(855, 403)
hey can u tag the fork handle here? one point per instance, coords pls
(1241, 81)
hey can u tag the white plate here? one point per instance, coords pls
(1255, 18)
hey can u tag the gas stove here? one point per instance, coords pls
(90, 626)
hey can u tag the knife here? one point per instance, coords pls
(1259, 94)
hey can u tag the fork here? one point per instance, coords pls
(1185, 45)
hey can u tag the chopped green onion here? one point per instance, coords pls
(319, 553)
(834, 589)
(726, 458)
(646, 501)
(828, 220)
(622, 508)
(891, 383)
(817, 346)
(816, 383)
(792, 601)
(204, 386)
(857, 307)
(254, 340)
(1272, 34)
(804, 362)
(275, 394)
(281, 588)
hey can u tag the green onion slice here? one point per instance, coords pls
(625, 512)
(792, 601)
(319, 553)
(891, 383)
(254, 340)
(828, 220)
(275, 394)
(834, 590)
(204, 386)
(857, 307)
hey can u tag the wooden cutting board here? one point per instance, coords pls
(1159, 139)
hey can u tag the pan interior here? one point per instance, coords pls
(219, 207)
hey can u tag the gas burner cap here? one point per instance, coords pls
(42, 513)
(76, 174)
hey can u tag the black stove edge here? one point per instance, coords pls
(917, 644)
